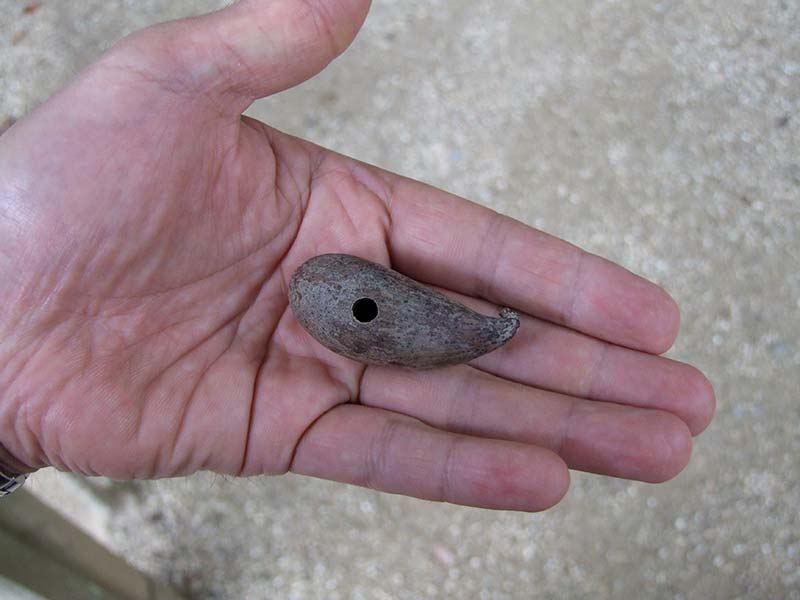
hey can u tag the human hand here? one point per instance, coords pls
(147, 236)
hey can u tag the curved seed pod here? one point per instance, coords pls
(374, 315)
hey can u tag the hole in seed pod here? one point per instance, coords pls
(365, 310)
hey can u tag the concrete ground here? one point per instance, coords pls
(660, 135)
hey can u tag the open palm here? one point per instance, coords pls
(147, 236)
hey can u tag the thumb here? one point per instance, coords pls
(249, 50)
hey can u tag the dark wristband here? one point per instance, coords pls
(10, 483)
(12, 473)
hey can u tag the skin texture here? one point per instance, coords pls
(413, 326)
(147, 236)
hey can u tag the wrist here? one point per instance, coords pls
(18, 443)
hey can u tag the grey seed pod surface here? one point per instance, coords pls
(375, 315)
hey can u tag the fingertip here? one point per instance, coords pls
(351, 13)
(622, 307)
(702, 401)
(540, 482)
(669, 450)
(559, 485)
(666, 322)
(684, 391)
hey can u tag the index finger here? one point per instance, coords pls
(448, 241)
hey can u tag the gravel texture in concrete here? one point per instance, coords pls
(663, 135)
